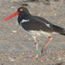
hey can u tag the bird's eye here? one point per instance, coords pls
(21, 10)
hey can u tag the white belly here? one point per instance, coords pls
(40, 33)
(34, 33)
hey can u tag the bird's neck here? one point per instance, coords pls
(21, 17)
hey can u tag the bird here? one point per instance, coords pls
(36, 26)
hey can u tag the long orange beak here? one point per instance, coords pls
(11, 16)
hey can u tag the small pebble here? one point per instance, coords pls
(11, 59)
(12, 7)
(41, 60)
(14, 31)
(55, 14)
(14, 0)
(59, 58)
(29, 38)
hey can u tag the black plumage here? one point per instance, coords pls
(37, 23)
(36, 26)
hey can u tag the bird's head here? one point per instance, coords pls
(21, 11)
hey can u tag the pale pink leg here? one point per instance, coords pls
(36, 47)
(45, 46)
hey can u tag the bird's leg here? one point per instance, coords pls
(45, 46)
(49, 39)
(36, 48)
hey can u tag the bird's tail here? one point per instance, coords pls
(58, 29)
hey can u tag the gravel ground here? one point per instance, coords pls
(16, 47)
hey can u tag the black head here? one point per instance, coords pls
(22, 12)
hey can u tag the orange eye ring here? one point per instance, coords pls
(21, 10)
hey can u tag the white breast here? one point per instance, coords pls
(25, 20)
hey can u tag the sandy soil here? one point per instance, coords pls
(17, 48)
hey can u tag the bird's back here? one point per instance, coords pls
(37, 23)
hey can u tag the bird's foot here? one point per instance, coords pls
(36, 57)
(43, 51)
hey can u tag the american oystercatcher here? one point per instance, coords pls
(36, 26)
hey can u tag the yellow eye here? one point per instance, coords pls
(21, 10)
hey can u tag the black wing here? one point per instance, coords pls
(37, 23)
